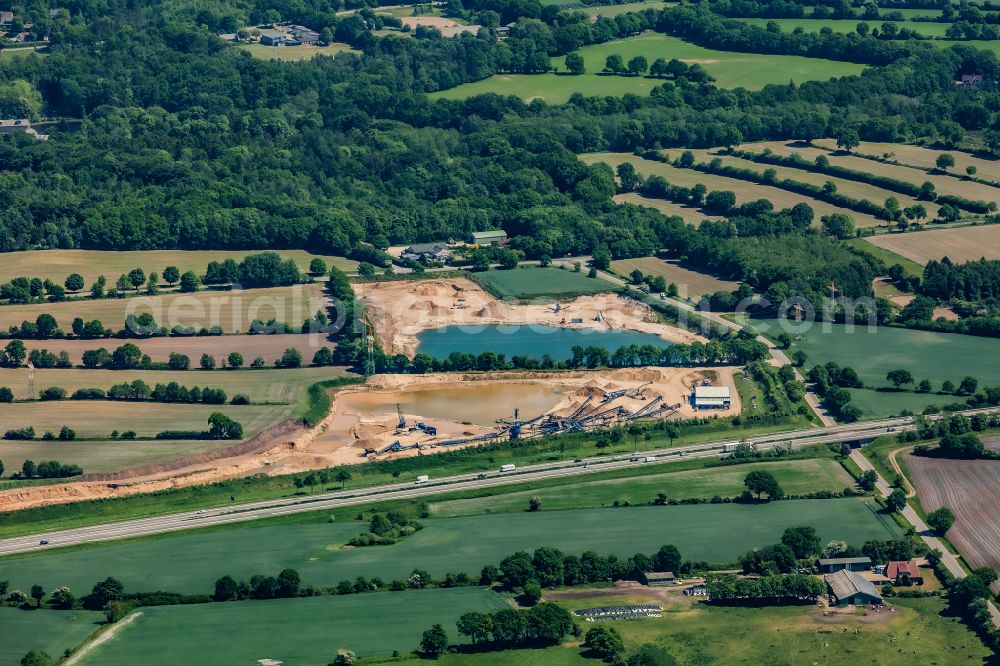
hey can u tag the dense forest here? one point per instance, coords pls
(186, 142)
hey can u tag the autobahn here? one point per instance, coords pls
(463, 482)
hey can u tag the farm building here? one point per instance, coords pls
(304, 35)
(832, 565)
(904, 573)
(849, 587)
(272, 39)
(696, 591)
(659, 578)
(711, 397)
(433, 251)
(492, 237)
(6, 18)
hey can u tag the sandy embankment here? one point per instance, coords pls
(401, 310)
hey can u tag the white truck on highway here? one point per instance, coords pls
(423, 478)
(650, 458)
(729, 447)
(508, 468)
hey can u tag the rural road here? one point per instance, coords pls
(778, 356)
(948, 559)
(325, 501)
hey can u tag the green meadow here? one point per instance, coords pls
(927, 355)
(924, 28)
(50, 631)
(290, 631)
(192, 561)
(533, 281)
(730, 69)
(794, 476)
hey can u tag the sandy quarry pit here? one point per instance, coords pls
(342, 437)
(401, 310)
(350, 432)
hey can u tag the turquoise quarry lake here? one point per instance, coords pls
(531, 340)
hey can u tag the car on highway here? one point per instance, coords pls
(43, 542)
(481, 476)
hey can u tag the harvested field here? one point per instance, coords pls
(231, 310)
(849, 188)
(943, 184)
(690, 283)
(57, 264)
(969, 489)
(744, 190)
(909, 267)
(92, 419)
(687, 213)
(400, 310)
(267, 385)
(270, 347)
(429, 21)
(959, 245)
(294, 53)
(924, 158)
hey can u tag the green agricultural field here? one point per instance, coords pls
(731, 70)
(883, 404)
(293, 53)
(690, 283)
(96, 419)
(927, 355)
(104, 456)
(925, 28)
(233, 311)
(46, 630)
(57, 264)
(190, 562)
(985, 45)
(795, 477)
(290, 631)
(282, 386)
(744, 190)
(617, 10)
(532, 281)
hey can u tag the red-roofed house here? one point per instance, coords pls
(904, 573)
